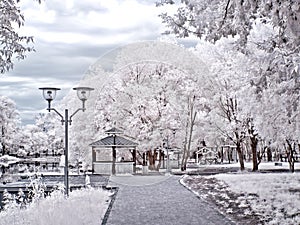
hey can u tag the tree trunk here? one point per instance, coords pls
(2, 142)
(184, 155)
(290, 156)
(144, 159)
(240, 155)
(269, 155)
(188, 150)
(254, 143)
(161, 156)
(152, 155)
(139, 158)
(185, 159)
(183, 164)
(222, 154)
(189, 133)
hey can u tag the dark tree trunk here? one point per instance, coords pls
(269, 155)
(152, 155)
(254, 142)
(183, 164)
(2, 142)
(183, 167)
(290, 156)
(222, 155)
(139, 158)
(161, 157)
(240, 155)
(144, 159)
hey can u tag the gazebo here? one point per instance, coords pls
(107, 160)
(206, 155)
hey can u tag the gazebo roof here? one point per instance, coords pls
(120, 142)
(114, 131)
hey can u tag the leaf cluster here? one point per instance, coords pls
(13, 45)
(215, 19)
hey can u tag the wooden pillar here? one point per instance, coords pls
(134, 160)
(93, 155)
(93, 158)
(222, 154)
(114, 158)
(163, 158)
(229, 154)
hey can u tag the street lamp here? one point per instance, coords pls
(166, 139)
(49, 94)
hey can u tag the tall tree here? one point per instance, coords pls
(278, 121)
(236, 132)
(189, 127)
(232, 98)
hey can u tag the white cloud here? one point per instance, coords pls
(40, 15)
(69, 36)
(125, 14)
(91, 21)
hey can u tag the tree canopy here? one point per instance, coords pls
(12, 44)
(215, 19)
(275, 24)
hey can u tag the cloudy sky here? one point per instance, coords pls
(69, 36)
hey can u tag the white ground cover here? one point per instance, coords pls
(86, 206)
(248, 166)
(278, 194)
(251, 198)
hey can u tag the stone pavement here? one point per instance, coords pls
(159, 200)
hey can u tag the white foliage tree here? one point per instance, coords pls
(145, 97)
(104, 71)
(268, 33)
(9, 125)
(230, 93)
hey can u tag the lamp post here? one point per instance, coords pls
(165, 138)
(49, 94)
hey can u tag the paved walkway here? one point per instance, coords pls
(159, 200)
